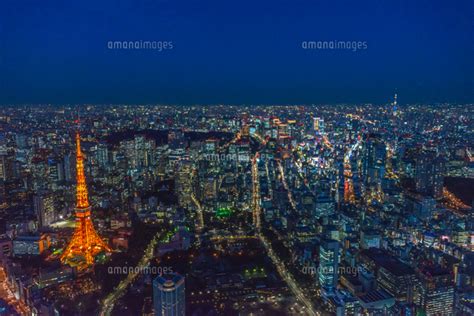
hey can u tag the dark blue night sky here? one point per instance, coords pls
(235, 52)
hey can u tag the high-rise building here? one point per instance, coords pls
(429, 174)
(44, 207)
(139, 152)
(373, 166)
(184, 182)
(328, 263)
(169, 295)
(67, 167)
(435, 291)
(7, 165)
(102, 155)
(54, 172)
(3, 166)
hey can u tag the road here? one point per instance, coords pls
(200, 225)
(119, 291)
(7, 294)
(269, 181)
(284, 273)
(288, 278)
(256, 194)
(285, 185)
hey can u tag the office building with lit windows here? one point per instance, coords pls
(435, 291)
(169, 295)
(328, 262)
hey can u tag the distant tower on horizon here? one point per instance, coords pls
(318, 125)
(395, 105)
(85, 242)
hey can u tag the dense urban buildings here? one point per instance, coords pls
(213, 210)
(236, 158)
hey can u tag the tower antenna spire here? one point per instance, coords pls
(395, 104)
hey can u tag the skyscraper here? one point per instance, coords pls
(373, 167)
(184, 182)
(44, 206)
(3, 166)
(328, 262)
(429, 174)
(169, 295)
(7, 165)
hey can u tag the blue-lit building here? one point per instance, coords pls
(169, 295)
(30, 245)
(374, 156)
(328, 262)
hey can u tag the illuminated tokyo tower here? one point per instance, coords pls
(85, 243)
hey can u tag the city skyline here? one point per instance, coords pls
(237, 158)
(267, 210)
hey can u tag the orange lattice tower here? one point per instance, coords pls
(85, 242)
